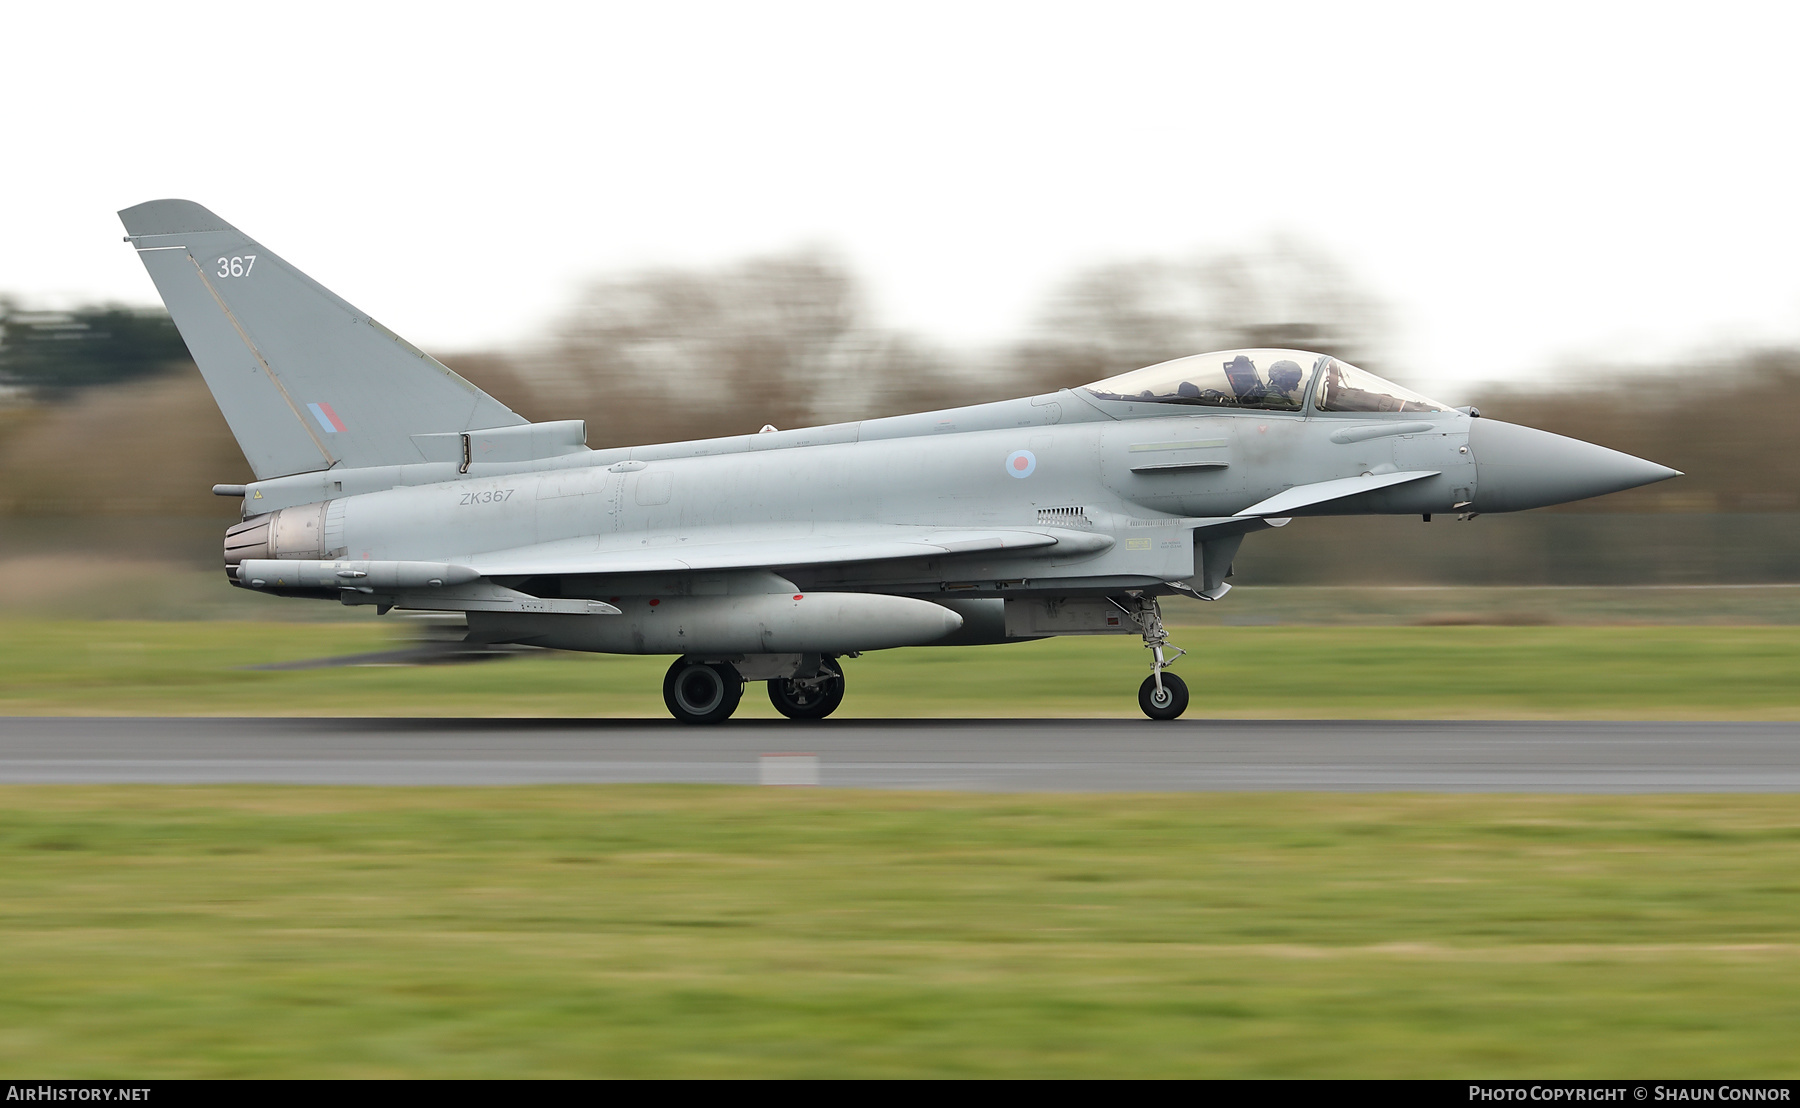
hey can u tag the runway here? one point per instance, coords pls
(981, 755)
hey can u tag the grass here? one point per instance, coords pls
(695, 931)
(691, 931)
(1483, 671)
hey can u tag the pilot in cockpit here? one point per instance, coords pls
(1284, 382)
(1280, 391)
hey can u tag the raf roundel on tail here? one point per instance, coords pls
(328, 419)
(776, 556)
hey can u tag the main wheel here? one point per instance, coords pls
(813, 698)
(1169, 703)
(702, 692)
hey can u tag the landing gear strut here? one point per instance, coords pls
(812, 697)
(702, 692)
(1162, 695)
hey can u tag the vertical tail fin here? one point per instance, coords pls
(305, 380)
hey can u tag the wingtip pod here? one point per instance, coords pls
(170, 217)
(347, 574)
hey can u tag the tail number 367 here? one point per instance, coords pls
(236, 266)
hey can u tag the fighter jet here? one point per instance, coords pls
(384, 479)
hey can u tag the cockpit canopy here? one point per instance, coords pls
(1274, 380)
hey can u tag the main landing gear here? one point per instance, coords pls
(700, 691)
(1162, 695)
(809, 697)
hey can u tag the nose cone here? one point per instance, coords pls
(1521, 467)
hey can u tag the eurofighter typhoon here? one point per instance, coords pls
(383, 478)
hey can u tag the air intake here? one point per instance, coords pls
(1065, 517)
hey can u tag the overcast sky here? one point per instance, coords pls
(1523, 182)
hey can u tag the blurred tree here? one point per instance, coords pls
(151, 447)
(507, 379)
(58, 351)
(1726, 422)
(783, 340)
(1126, 315)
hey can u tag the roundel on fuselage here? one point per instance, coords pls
(1021, 463)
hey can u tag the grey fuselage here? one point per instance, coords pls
(1162, 482)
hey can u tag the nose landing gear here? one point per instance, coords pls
(1162, 695)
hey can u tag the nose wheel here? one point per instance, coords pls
(1162, 695)
(1165, 701)
(702, 692)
